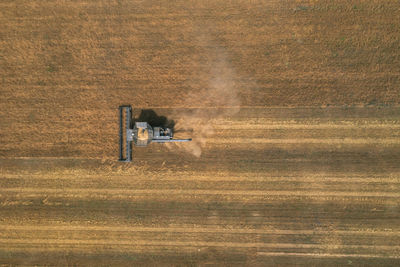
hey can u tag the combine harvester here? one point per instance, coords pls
(141, 134)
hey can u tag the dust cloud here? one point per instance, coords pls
(214, 96)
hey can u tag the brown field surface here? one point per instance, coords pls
(294, 111)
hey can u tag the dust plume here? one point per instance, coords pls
(213, 96)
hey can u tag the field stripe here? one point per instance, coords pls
(108, 242)
(218, 177)
(238, 126)
(191, 230)
(362, 141)
(326, 255)
(88, 191)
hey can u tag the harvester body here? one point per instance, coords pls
(141, 134)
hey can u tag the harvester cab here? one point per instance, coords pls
(141, 134)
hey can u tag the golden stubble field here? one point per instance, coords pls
(293, 107)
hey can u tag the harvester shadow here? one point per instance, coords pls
(152, 118)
